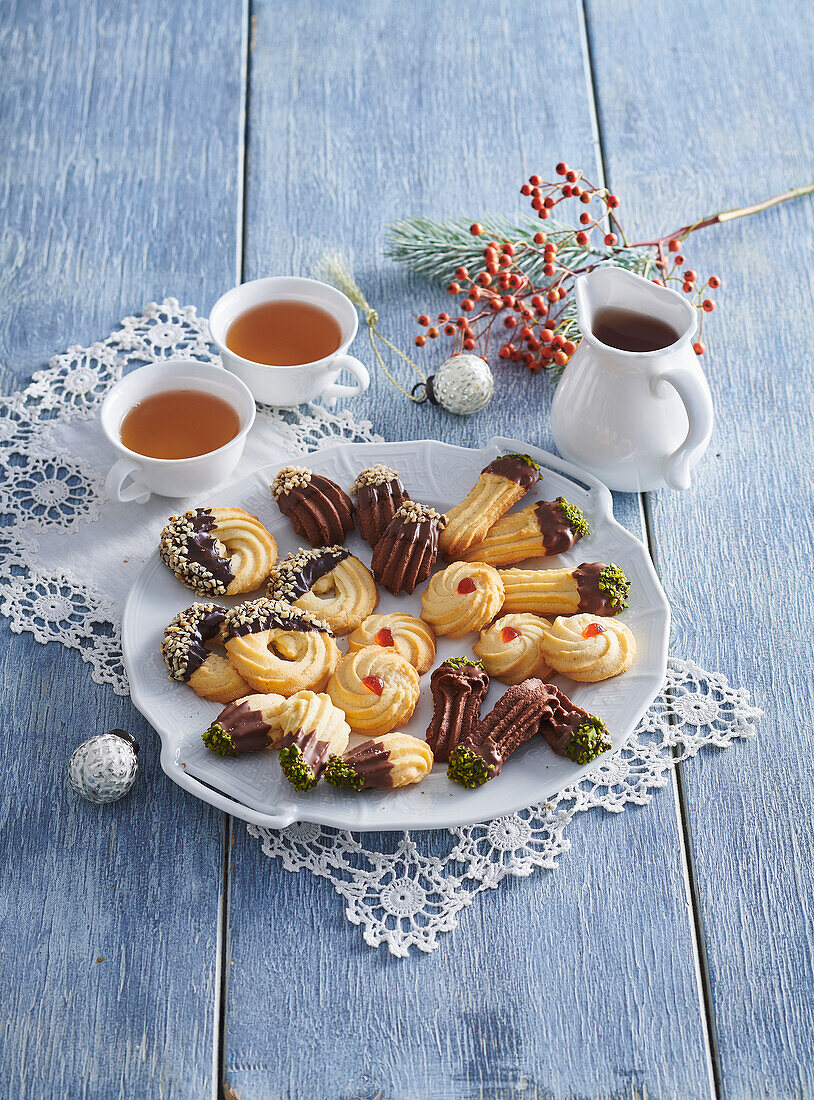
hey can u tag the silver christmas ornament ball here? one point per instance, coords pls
(104, 768)
(462, 384)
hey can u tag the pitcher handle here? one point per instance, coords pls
(692, 388)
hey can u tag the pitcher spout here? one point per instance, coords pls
(614, 288)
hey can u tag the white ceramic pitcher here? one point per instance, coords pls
(637, 420)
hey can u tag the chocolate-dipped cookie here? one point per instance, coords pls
(545, 528)
(459, 685)
(186, 653)
(217, 551)
(405, 554)
(501, 484)
(328, 581)
(319, 509)
(391, 760)
(514, 719)
(379, 494)
(570, 731)
(594, 587)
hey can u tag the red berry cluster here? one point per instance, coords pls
(534, 326)
(672, 270)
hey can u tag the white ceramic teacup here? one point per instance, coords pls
(135, 476)
(307, 381)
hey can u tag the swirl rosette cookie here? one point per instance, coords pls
(218, 551)
(379, 494)
(462, 598)
(501, 484)
(410, 637)
(319, 509)
(329, 582)
(459, 685)
(588, 648)
(186, 653)
(545, 528)
(250, 724)
(376, 688)
(405, 554)
(514, 719)
(280, 649)
(594, 587)
(314, 731)
(392, 760)
(511, 648)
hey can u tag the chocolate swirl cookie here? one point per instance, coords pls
(319, 509)
(459, 685)
(405, 554)
(379, 494)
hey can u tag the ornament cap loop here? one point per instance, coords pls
(427, 386)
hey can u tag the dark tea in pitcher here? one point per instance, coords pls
(629, 331)
(284, 334)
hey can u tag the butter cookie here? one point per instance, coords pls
(511, 648)
(330, 583)
(376, 688)
(588, 648)
(545, 528)
(391, 760)
(411, 638)
(462, 598)
(218, 551)
(189, 658)
(501, 484)
(593, 587)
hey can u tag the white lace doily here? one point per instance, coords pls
(55, 517)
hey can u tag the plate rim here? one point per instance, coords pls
(290, 812)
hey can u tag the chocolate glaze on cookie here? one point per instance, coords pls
(602, 588)
(319, 509)
(573, 732)
(255, 616)
(405, 554)
(298, 573)
(184, 645)
(379, 494)
(236, 730)
(368, 765)
(515, 467)
(193, 553)
(557, 531)
(314, 752)
(458, 688)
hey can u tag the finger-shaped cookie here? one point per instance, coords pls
(411, 638)
(588, 648)
(570, 731)
(376, 688)
(593, 586)
(379, 494)
(250, 724)
(329, 582)
(186, 653)
(319, 509)
(218, 551)
(405, 554)
(392, 760)
(514, 719)
(500, 485)
(278, 648)
(511, 648)
(314, 730)
(462, 598)
(545, 528)
(459, 685)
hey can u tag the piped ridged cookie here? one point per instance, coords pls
(459, 685)
(502, 483)
(511, 648)
(376, 688)
(462, 598)
(329, 582)
(379, 494)
(545, 528)
(410, 637)
(391, 760)
(186, 653)
(588, 648)
(218, 551)
(593, 587)
(319, 509)
(405, 554)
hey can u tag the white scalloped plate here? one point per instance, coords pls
(253, 787)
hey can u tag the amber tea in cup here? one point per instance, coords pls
(179, 424)
(284, 333)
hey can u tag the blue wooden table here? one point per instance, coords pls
(158, 149)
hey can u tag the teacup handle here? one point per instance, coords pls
(693, 390)
(118, 473)
(359, 372)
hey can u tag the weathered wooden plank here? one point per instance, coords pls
(578, 983)
(709, 110)
(119, 183)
